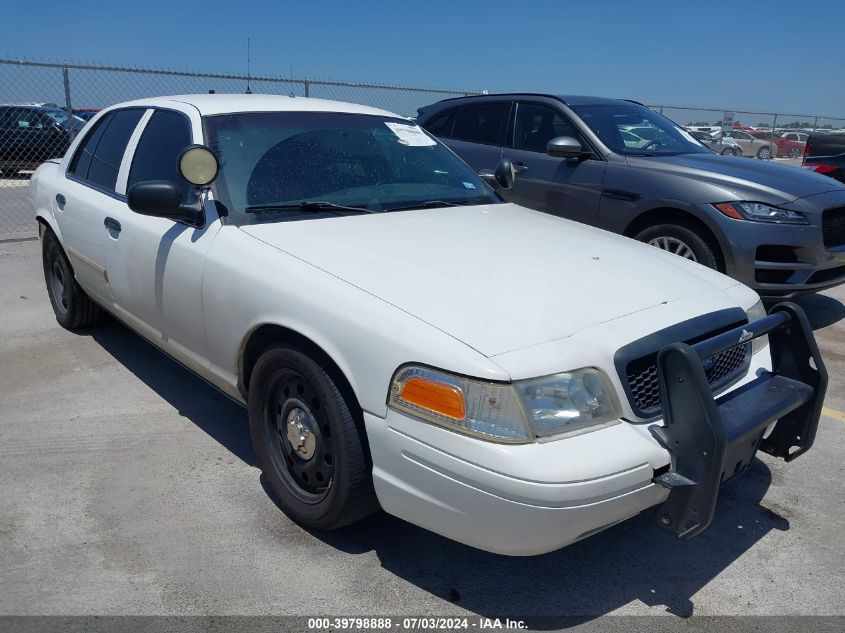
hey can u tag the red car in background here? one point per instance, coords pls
(787, 143)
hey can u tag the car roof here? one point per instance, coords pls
(211, 104)
(575, 100)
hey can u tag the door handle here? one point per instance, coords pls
(112, 225)
(60, 200)
(520, 167)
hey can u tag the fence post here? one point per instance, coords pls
(815, 123)
(68, 106)
(773, 153)
(307, 85)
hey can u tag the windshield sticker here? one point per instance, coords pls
(468, 185)
(411, 135)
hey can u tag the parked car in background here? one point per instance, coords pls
(86, 113)
(791, 144)
(725, 146)
(378, 310)
(784, 147)
(751, 146)
(824, 153)
(29, 135)
(764, 224)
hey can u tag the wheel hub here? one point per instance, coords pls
(300, 431)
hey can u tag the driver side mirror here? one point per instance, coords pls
(163, 199)
(503, 176)
(564, 147)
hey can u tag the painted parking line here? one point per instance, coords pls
(836, 414)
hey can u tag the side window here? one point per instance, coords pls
(81, 161)
(441, 124)
(481, 122)
(166, 134)
(537, 124)
(107, 156)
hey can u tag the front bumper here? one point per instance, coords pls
(782, 260)
(534, 498)
(711, 440)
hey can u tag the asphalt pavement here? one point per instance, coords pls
(129, 486)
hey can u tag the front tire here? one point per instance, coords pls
(682, 240)
(764, 153)
(308, 444)
(794, 152)
(729, 152)
(73, 308)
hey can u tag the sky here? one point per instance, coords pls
(755, 55)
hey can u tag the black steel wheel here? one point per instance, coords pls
(73, 308)
(308, 444)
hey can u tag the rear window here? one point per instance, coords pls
(481, 122)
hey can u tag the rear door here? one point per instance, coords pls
(568, 187)
(89, 196)
(475, 131)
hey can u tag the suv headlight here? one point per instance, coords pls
(506, 412)
(759, 212)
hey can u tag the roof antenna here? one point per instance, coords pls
(248, 91)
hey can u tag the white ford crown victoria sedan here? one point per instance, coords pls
(403, 338)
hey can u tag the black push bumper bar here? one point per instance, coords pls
(710, 440)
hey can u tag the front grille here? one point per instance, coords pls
(645, 388)
(833, 227)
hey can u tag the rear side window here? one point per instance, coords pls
(82, 159)
(481, 122)
(165, 136)
(441, 123)
(97, 161)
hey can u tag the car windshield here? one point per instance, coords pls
(660, 136)
(278, 166)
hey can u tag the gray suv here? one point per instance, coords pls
(620, 166)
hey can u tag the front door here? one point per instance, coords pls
(155, 265)
(568, 187)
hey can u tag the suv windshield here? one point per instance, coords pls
(277, 166)
(657, 136)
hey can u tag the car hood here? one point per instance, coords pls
(741, 178)
(496, 277)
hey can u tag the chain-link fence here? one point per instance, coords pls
(46, 102)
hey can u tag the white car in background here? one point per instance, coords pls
(403, 338)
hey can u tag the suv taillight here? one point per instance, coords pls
(819, 169)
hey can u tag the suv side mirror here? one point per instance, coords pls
(564, 147)
(163, 199)
(503, 176)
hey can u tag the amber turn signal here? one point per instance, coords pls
(729, 210)
(443, 399)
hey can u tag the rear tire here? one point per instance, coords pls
(680, 239)
(764, 153)
(729, 152)
(73, 308)
(308, 444)
(794, 152)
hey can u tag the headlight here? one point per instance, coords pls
(567, 402)
(514, 412)
(759, 212)
(755, 313)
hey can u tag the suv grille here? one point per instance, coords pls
(833, 226)
(645, 388)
